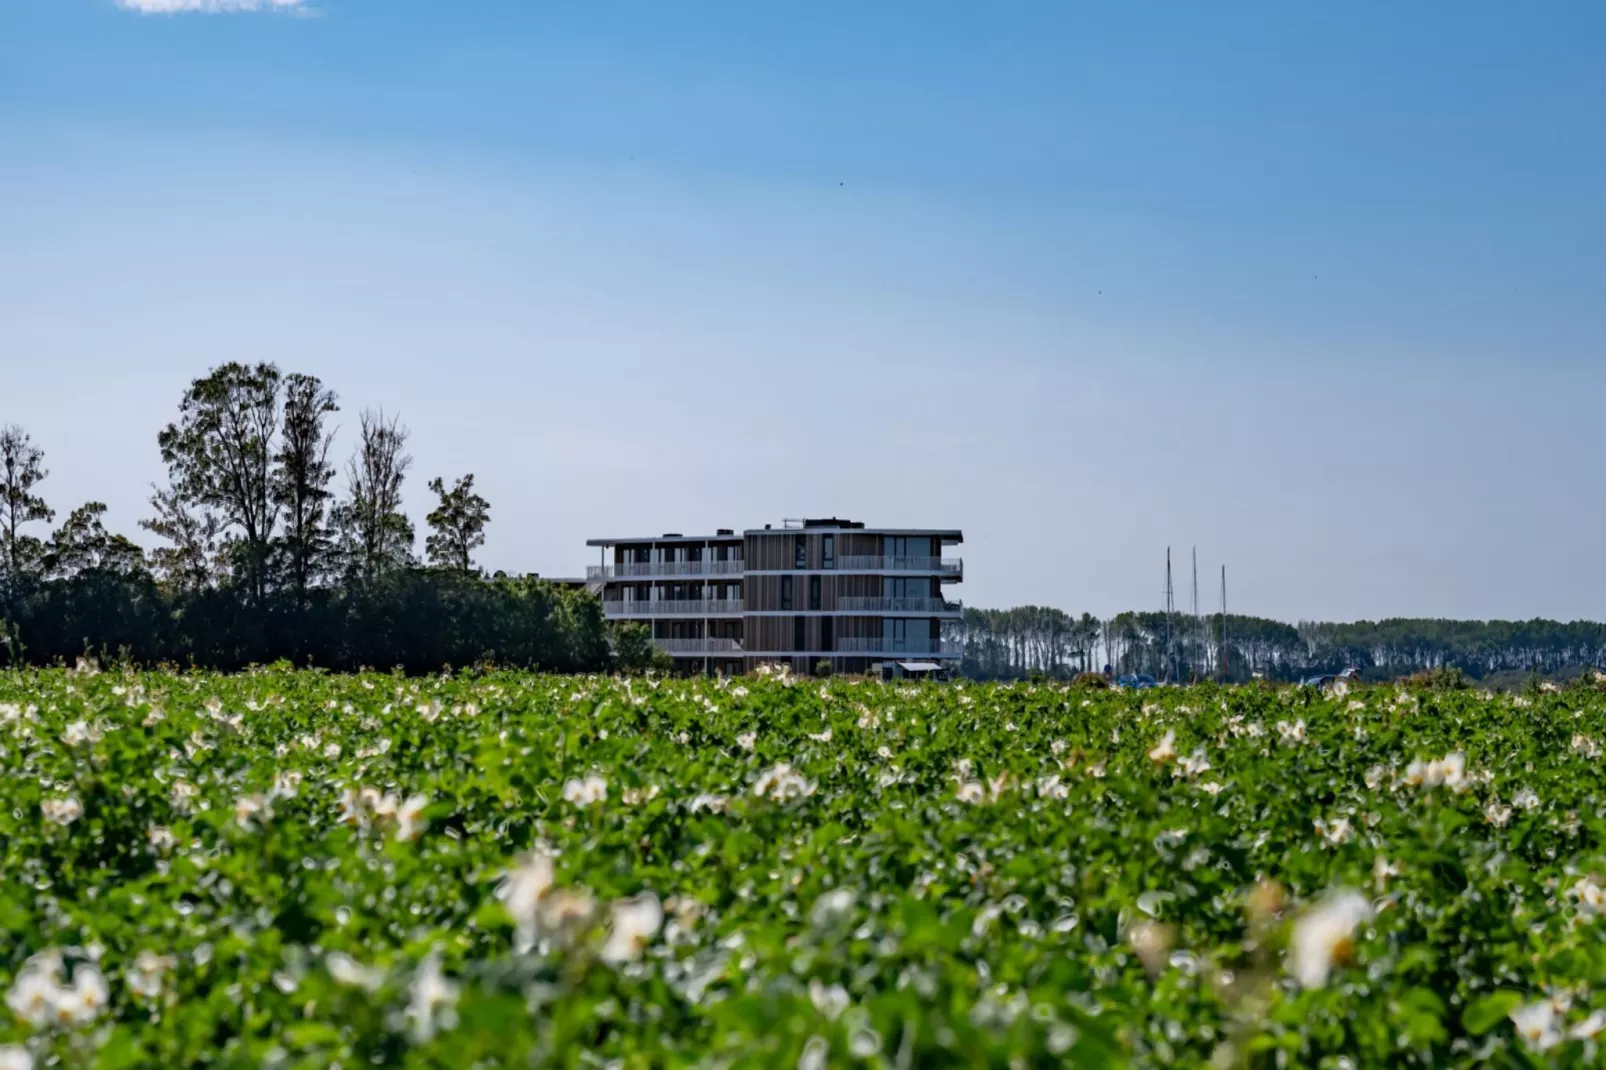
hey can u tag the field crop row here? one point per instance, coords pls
(291, 869)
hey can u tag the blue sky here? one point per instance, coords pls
(1317, 290)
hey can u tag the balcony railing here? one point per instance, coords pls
(881, 645)
(898, 605)
(663, 568)
(699, 646)
(948, 566)
(673, 607)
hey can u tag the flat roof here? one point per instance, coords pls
(953, 535)
(667, 538)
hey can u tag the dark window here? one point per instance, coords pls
(814, 592)
(643, 555)
(830, 552)
(827, 633)
(800, 553)
(694, 553)
(900, 634)
(722, 553)
(798, 633)
(786, 592)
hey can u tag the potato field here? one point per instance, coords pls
(296, 869)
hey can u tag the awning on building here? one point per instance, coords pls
(919, 666)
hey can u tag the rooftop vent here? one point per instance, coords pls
(672, 535)
(724, 531)
(832, 522)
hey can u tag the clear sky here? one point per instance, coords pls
(1320, 289)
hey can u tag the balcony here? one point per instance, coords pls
(643, 569)
(899, 605)
(699, 646)
(883, 645)
(947, 566)
(672, 607)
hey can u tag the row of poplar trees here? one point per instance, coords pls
(262, 553)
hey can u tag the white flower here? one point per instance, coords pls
(714, 804)
(248, 809)
(1337, 831)
(821, 737)
(348, 971)
(782, 784)
(1211, 788)
(972, 792)
(635, 921)
(1383, 870)
(1590, 895)
(1165, 750)
(1291, 733)
(1453, 772)
(1194, 764)
(15, 1057)
(830, 1001)
(1525, 799)
(161, 838)
(84, 999)
(521, 892)
(432, 1002)
(76, 733)
(1496, 814)
(33, 993)
(144, 979)
(62, 811)
(1590, 1027)
(1374, 778)
(1585, 746)
(1325, 936)
(587, 792)
(832, 907)
(410, 818)
(1536, 1025)
(1051, 787)
(350, 808)
(747, 740)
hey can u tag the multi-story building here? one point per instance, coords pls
(808, 591)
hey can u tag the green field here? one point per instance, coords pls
(290, 869)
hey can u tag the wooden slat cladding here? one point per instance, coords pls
(769, 551)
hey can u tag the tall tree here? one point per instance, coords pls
(21, 469)
(220, 455)
(301, 477)
(82, 544)
(375, 537)
(190, 562)
(458, 524)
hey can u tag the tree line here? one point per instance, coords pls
(1037, 640)
(264, 554)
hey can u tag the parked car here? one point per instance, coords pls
(1326, 680)
(1136, 680)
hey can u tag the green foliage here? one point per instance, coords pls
(457, 524)
(304, 869)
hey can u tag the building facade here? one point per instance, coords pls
(808, 591)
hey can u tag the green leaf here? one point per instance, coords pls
(1490, 1011)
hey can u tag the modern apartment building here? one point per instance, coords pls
(807, 591)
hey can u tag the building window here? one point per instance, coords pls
(800, 553)
(799, 635)
(827, 633)
(900, 634)
(786, 592)
(814, 592)
(830, 552)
